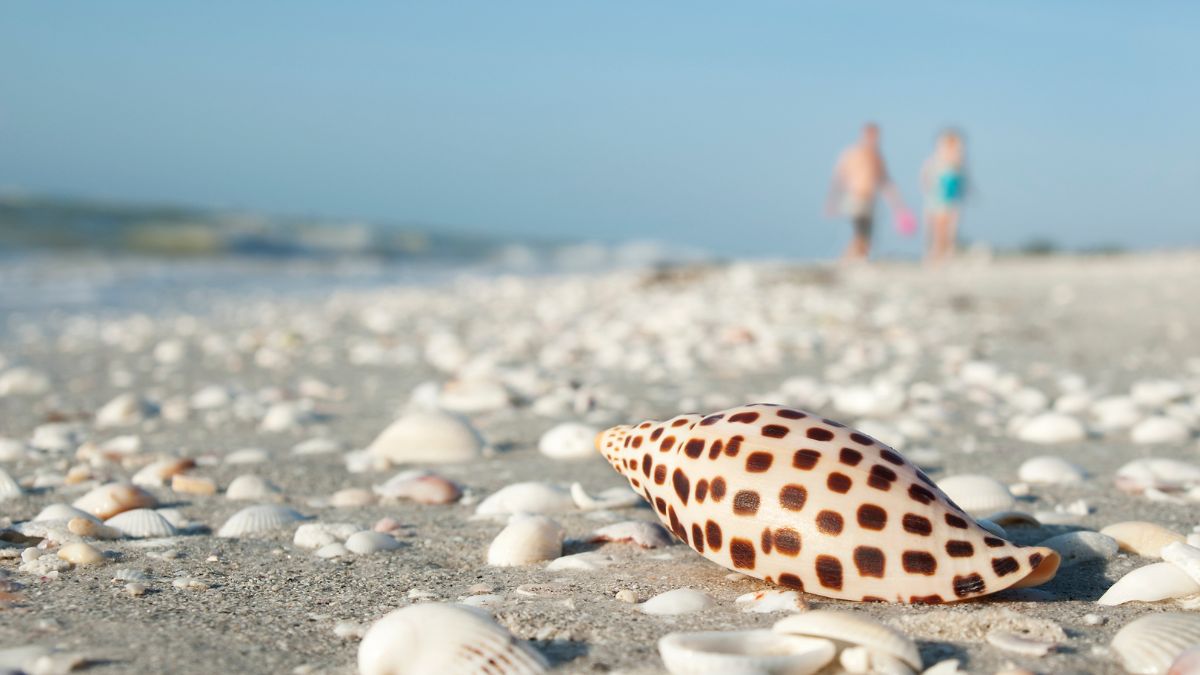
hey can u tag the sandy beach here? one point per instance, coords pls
(949, 366)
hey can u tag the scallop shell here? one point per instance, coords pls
(1142, 538)
(1159, 581)
(752, 651)
(852, 628)
(528, 497)
(786, 496)
(110, 499)
(249, 487)
(1050, 469)
(978, 495)
(526, 540)
(9, 488)
(677, 601)
(569, 440)
(142, 523)
(259, 519)
(1187, 663)
(446, 639)
(427, 437)
(1148, 645)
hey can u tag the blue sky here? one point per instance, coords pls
(702, 123)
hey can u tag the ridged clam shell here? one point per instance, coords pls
(1159, 581)
(108, 500)
(978, 495)
(1148, 645)
(752, 651)
(444, 639)
(257, 520)
(569, 440)
(1050, 469)
(142, 524)
(528, 497)
(526, 540)
(248, 487)
(1142, 538)
(1187, 663)
(9, 488)
(852, 628)
(427, 437)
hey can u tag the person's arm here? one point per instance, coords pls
(834, 195)
(889, 190)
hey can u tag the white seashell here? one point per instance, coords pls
(443, 638)
(613, 498)
(422, 487)
(334, 550)
(1019, 644)
(853, 628)
(249, 487)
(640, 532)
(352, 498)
(124, 410)
(80, 553)
(1029, 400)
(530, 497)
(316, 446)
(677, 601)
(9, 488)
(1052, 427)
(1185, 557)
(367, 542)
(1073, 403)
(63, 512)
(1157, 473)
(947, 667)
(1142, 538)
(1159, 430)
(12, 450)
(762, 602)
(569, 440)
(1156, 393)
(1187, 663)
(110, 499)
(286, 416)
(210, 397)
(761, 652)
(473, 395)
(260, 519)
(589, 561)
(1116, 412)
(527, 539)
(22, 381)
(55, 437)
(427, 437)
(1082, 546)
(141, 524)
(1050, 469)
(247, 456)
(977, 494)
(316, 535)
(1151, 643)
(156, 474)
(1159, 581)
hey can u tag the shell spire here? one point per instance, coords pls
(805, 502)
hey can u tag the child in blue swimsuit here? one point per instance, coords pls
(943, 180)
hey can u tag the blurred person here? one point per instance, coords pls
(859, 178)
(944, 183)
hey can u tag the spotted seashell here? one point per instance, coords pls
(259, 519)
(1151, 643)
(142, 524)
(442, 638)
(786, 496)
(751, 651)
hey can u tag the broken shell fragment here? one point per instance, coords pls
(753, 651)
(852, 628)
(1159, 581)
(677, 601)
(443, 638)
(85, 527)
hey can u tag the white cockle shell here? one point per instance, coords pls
(427, 437)
(142, 524)
(854, 628)
(569, 440)
(526, 539)
(1050, 469)
(444, 639)
(259, 519)
(761, 652)
(1149, 644)
(978, 495)
(527, 497)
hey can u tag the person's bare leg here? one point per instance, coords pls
(951, 241)
(937, 238)
(856, 249)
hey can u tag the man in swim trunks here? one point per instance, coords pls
(859, 178)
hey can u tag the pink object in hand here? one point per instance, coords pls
(906, 223)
